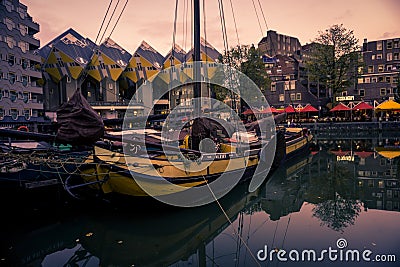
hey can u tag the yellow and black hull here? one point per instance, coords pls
(119, 173)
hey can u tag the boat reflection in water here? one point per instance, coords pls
(344, 190)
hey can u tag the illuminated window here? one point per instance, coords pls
(379, 45)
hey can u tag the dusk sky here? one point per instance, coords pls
(152, 20)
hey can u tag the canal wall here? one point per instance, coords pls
(333, 130)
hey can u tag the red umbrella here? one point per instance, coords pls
(248, 112)
(271, 110)
(340, 107)
(362, 106)
(364, 154)
(289, 109)
(308, 108)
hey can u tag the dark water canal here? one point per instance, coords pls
(336, 206)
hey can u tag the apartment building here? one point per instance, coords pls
(379, 77)
(21, 93)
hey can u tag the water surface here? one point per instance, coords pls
(342, 197)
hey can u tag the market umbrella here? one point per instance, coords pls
(340, 107)
(271, 110)
(248, 112)
(362, 106)
(308, 108)
(289, 109)
(387, 106)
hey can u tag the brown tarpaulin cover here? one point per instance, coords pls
(78, 122)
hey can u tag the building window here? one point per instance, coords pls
(389, 56)
(11, 77)
(389, 44)
(293, 85)
(388, 67)
(26, 97)
(13, 96)
(22, 12)
(60, 62)
(361, 92)
(68, 79)
(371, 69)
(293, 97)
(373, 57)
(379, 45)
(24, 63)
(380, 68)
(9, 23)
(374, 80)
(367, 80)
(298, 96)
(287, 85)
(380, 79)
(383, 91)
(396, 44)
(24, 80)
(396, 56)
(11, 59)
(14, 113)
(110, 86)
(10, 41)
(281, 97)
(24, 46)
(387, 79)
(27, 114)
(389, 91)
(1, 113)
(273, 87)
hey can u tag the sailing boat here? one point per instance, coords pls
(196, 160)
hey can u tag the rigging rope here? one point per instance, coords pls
(109, 21)
(120, 14)
(230, 222)
(102, 23)
(262, 12)
(258, 19)
(174, 34)
(234, 22)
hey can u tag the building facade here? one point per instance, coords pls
(21, 94)
(283, 63)
(379, 77)
(279, 44)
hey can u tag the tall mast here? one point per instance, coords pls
(196, 59)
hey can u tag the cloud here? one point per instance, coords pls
(345, 15)
(387, 35)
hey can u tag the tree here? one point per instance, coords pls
(334, 59)
(247, 60)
